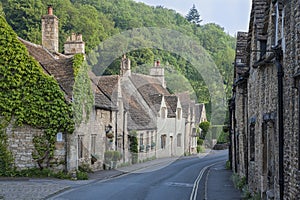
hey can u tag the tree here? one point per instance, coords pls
(204, 127)
(194, 16)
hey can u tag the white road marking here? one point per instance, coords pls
(198, 179)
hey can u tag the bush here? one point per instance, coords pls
(82, 175)
(200, 141)
(200, 149)
(223, 138)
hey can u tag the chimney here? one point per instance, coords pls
(50, 31)
(125, 68)
(74, 45)
(50, 10)
(158, 72)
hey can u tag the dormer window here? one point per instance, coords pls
(163, 112)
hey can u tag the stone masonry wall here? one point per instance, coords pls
(21, 145)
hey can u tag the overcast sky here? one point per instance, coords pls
(233, 15)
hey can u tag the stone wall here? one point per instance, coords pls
(256, 123)
(20, 143)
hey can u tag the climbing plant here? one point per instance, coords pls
(134, 146)
(29, 96)
(6, 158)
(83, 98)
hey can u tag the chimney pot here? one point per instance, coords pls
(158, 63)
(50, 10)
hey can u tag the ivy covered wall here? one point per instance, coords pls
(29, 96)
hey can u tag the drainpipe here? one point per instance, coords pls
(230, 134)
(116, 131)
(280, 74)
(124, 115)
(234, 139)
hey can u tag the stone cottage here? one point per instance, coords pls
(123, 105)
(264, 108)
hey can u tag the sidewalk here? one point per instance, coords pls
(219, 184)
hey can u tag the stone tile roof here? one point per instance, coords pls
(139, 114)
(198, 112)
(61, 69)
(102, 100)
(171, 102)
(257, 21)
(185, 104)
(109, 89)
(151, 90)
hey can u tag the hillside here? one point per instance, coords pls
(98, 20)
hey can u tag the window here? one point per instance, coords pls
(179, 140)
(163, 141)
(120, 142)
(110, 116)
(179, 113)
(263, 48)
(80, 146)
(163, 112)
(141, 139)
(148, 138)
(93, 144)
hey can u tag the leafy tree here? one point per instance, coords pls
(205, 126)
(194, 16)
(98, 20)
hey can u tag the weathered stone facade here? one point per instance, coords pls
(265, 105)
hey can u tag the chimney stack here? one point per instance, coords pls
(50, 10)
(158, 72)
(74, 45)
(50, 31)
(125, 66)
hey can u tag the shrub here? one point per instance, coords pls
(82, 175)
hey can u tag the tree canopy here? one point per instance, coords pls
(98, 20)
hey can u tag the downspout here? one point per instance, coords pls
(124, 115)
(280, 74)
(230, 134)
(116, 131)
(234, 139)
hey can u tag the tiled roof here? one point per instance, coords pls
(185, 103)
(139, 114)
(101, 100)
(150, 88)
(198, 112)
(171, 102)
(61, 69)
(109, 85)
(257, 21)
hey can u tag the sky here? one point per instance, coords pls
(232, 15)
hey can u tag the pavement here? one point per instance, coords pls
(218, 184)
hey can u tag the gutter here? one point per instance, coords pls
(278, 58)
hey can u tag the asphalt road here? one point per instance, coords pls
(183, 179)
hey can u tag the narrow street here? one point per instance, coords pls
(185, 178)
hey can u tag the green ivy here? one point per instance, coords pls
(83, 98)
(6, 158)
(29, 96)
(134, 146)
